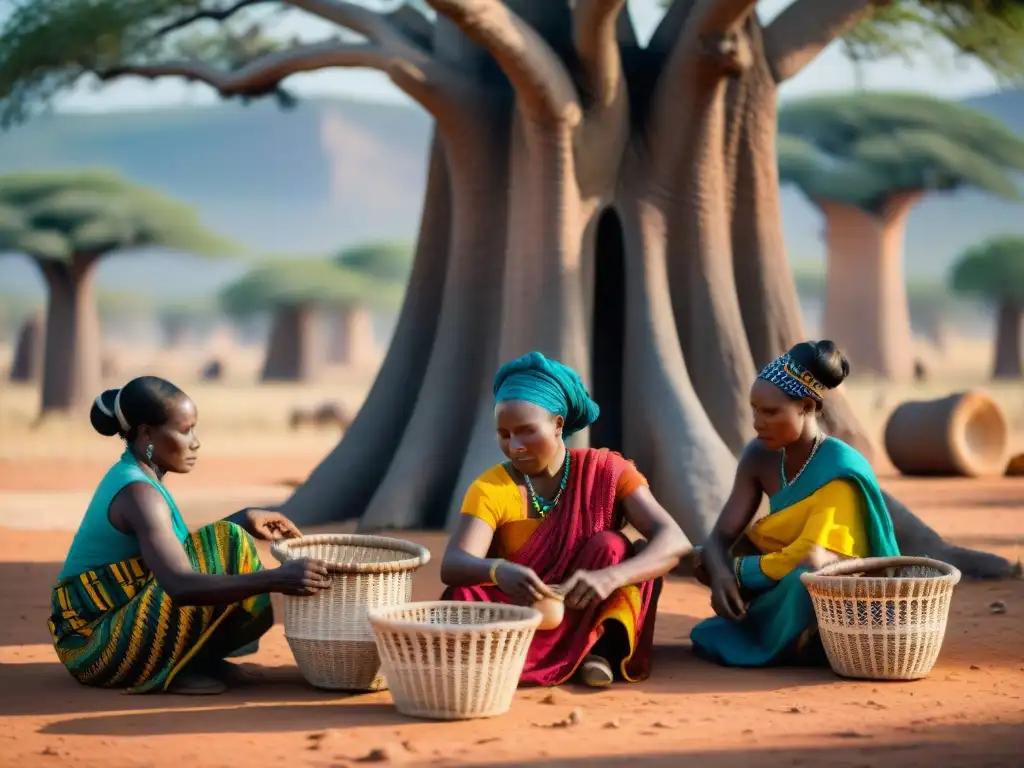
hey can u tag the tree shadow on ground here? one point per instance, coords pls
(25, 595)
(243, 717)
(992, 745)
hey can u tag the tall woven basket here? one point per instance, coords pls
(449, 660)
(329, 632)
(882, 618)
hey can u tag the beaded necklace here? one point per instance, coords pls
(818, 440)
(541, 505)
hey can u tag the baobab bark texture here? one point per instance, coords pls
(295, 350)
(866, 310)
(72, 356)
(1008, 364)
(584, 199)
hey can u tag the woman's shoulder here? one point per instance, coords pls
(494, 478)
(606, 455)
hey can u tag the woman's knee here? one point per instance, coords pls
(604, 549)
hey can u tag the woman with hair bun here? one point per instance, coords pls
(144, 604)
(825, 506)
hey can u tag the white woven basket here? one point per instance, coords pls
(449, 660)
(329, 633)
(882, 618)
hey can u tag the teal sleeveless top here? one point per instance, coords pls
(97, 542)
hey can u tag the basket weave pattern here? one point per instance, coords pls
(329, 632)
(882, 618)
(448, 660)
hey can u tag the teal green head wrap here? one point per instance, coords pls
(555, 387)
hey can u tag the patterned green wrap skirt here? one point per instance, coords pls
(114, 627)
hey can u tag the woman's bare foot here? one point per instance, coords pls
(190, 683)
(596, 672)
(232, 675)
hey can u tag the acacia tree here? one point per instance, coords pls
(296, 291)
(994, 271)
(865, 160)
(66, 221)
(584, 197)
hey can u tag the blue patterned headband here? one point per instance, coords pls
(789, 376)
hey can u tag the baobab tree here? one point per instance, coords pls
(611, 204)
(296, 291)
(994, 272)
(66, 221)
(387, 262)
(866, 160)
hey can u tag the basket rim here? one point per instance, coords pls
(418, 554)
(379, 617)
(830, 573)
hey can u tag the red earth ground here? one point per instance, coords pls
(969, 712)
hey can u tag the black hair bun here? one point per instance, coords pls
(823, 360)
(102, 415)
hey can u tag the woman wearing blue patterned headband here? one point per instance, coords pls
(825, 505)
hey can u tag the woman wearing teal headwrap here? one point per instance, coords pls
(548, 524)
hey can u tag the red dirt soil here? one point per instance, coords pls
(969, 712)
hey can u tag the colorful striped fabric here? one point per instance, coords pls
(115, 627)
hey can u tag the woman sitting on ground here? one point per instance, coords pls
(548, 523)
(143, 604)
(825, 505)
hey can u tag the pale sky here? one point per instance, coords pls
(938, 75)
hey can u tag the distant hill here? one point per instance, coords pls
(333, 172)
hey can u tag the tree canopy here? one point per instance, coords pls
(48, 45)
(304, 281)
(385, 260)
(993, 270)
(53, 215)
(861, 149)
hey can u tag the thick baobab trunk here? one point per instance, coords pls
(1008, 363)
(422, 478)
(867, 311)
(294, 349)
(27, 363)
(71, 359)
(352, 341)
(665, 428)
(426, 429)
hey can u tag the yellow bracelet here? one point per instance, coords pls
(494, 570)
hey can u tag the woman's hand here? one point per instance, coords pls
(726, 598)
(521, 583)
(303, 577)
(586, 587)
(270, 526)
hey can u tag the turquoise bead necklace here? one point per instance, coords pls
(541, 505)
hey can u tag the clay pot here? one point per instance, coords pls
(965, 434)
(552, 611)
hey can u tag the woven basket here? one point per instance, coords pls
(882, 618)
(328, 632)
(450, 660)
